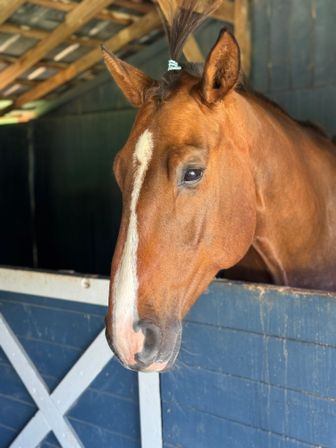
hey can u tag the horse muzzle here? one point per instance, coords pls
(160, 345)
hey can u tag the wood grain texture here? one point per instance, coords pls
(105, 14)
(73, 21)
(96, 414)
(8, 7)
(242, 29)
(255, 370)
(140, 28)
(38, 34)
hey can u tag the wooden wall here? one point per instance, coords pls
(55, 333)
(294, 57)
(256, 370)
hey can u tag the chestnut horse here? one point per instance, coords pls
(213, 177)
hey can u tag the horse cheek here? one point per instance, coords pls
(239, 219)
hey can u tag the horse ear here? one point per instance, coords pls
(132, 81)
(222, 67)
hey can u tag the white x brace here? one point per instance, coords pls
(54, 406)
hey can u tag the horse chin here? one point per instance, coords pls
(158, 366)
(164, 366)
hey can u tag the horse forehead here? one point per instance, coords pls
(178, 121)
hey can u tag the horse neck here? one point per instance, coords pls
(292, 169)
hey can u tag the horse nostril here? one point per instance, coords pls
(152, 342)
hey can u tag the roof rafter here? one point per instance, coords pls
(8, 7)
(73, 21)
(140, 7)
(242, 31)
(225, 11)
(24, 71)
(42, 63)
(143, 26)
(114, 16)
(40, 34)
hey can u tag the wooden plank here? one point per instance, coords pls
(242, 29)
(138, 29)
(265, 308)
(73, 21)
(23, 31)
(49, 324)
(225, 12)
(285, 390)
(324, 35)
(40, 34)
(280, 45)
(225, 388)
(51, 417)
(43, 63)
(8, 7)
(191, 48)
(192, 51)
(150, 410)
(302, 54)
(54, 359)
(260, 47)
(139, 7)
(113, 16)
(186, 426)
(52, 408)
(74, 288)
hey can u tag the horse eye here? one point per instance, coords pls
(192, 175)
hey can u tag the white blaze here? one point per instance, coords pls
(125, 286)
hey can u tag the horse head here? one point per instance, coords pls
(188, 201)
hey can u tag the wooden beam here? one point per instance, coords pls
(8, 7)
(139, 7)
(50, 64)
(242, 29)
(143, 26)
(113, 16)
(191, 50)
(73, 21)
(225, 12)
(9, 28)
(40, 34)
(27, 82)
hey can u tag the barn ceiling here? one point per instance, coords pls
(50, 47)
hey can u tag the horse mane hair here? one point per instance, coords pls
(187, 17)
